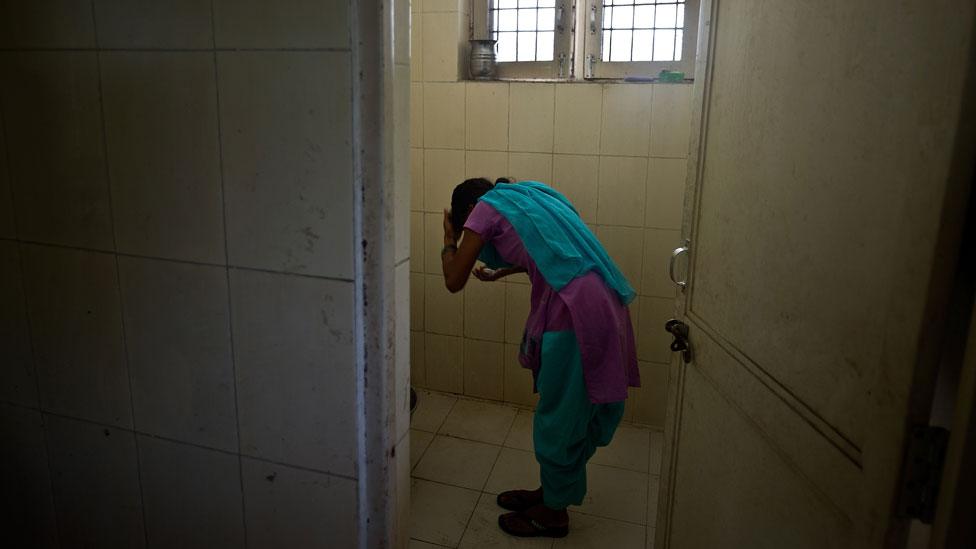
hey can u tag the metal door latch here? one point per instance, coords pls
(680, 344)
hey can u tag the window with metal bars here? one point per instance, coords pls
(619, 38)
(642, 30)
(525, 30)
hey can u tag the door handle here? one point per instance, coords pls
(674, 256)
(680, 344)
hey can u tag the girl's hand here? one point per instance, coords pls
(485, 274)
(449, 231)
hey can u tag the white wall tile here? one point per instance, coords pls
(57, 177)
(532, 112)
(440, 46)
(27, 485)
(530, 166)
(626, 119)
(95, 481)
(671, 120)
(577, 178)
(292, 24)
(50, 24)
(621, 191)
(417, 290)
(488, 164)
(76, 326)
(430, 6)
(416, 179)
(651, 399)
(486, 116)
(653, 343)
(434, 240)
(418, 363)
(293, 339)
(416, 44)
(484, 363)
(17, 382)
(518, 380)
(665, 193)
(177, 326)
(626, 246)
(517, 305)
(286, 507)
(443, 362)
(192, 495)
(577, 119)
(484, 310)
(152, 24)
(443, 170)
(285, 123)
(416, 114)
(658, 245)
(164, 162)
(417, 247)
(442, 309)
(444, 115)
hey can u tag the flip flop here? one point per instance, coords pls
(517, 500)
(521, 525)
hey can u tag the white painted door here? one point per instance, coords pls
(823, 164)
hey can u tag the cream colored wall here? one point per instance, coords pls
(617, 151)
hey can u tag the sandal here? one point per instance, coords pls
(521, 525)
(519, 500)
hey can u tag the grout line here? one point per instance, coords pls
(178, 441)
(118, 275)
(230, 300)
(118, 272)
(174, 260)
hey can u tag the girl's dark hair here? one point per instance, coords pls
(466, 195)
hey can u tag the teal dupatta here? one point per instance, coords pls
(561, 245)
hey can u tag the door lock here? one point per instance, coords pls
(680, 344)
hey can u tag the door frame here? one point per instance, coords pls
(892, 530)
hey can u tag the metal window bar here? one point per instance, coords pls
(609, 30)
(505, 17)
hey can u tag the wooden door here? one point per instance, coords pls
(827, 163)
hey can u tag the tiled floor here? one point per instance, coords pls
(465, 451)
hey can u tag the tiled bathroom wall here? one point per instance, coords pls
(177, 273)
(616, 150)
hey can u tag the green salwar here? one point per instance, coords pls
(568, 428)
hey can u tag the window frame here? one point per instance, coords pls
(561, 66)
(595, 68)
(567, 65)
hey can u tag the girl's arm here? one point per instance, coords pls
(490, 275)
(456, 261)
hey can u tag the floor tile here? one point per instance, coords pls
(479, 421)
(419, 441)
(589, 532)
(483, 530)
(520, 436)
(616, 494)
(457, 462)
(431, 410)
(514, 470)
(440, 513)
(417, 544)
(628, 449)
